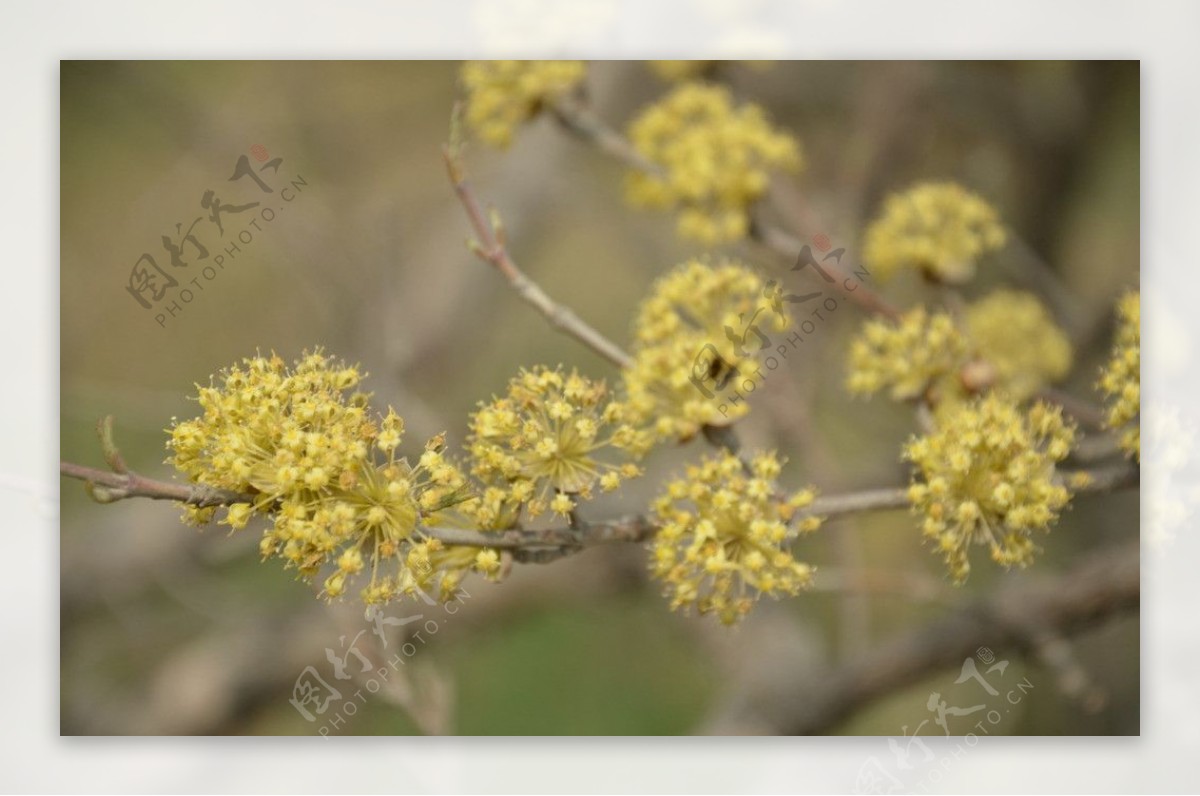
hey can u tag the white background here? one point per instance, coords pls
(34, 36)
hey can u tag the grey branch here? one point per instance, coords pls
(107, 487)
(535, 545)
(1015, 617)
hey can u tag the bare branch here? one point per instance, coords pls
(490, 248)
(1104, 586)
(108, 487)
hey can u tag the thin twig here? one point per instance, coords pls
(580, 121)
(108, 487)
(490, 247)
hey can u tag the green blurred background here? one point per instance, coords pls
(166, 629)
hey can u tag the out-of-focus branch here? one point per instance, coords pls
(1015, 617)
(1081, 410)
(579, 119)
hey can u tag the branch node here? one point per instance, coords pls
(498, 227)
(103, 494)
(112, 456)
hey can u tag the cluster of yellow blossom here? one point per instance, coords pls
(724, 534)
(700, 326)
(1013, 333)
(712, 160)
(539, 445)
(305, 451)
(908, 356)
(1007, 341)
(987, 475)
(501, 95)
(679, 71)
(1121, 378)
(939, 229)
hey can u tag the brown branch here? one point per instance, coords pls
(490, 247)
(107, 487)
(1014, 617)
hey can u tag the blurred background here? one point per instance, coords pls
(169, 629)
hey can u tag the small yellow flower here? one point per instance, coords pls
(350, 561)
(939, 229)
(722, 542)
(1121, 379)
(501, 95)
(987, 476)
(487, 562)
(562, 504)
(714, 160)
(194, 515)
(237, 515)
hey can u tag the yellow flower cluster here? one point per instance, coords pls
(906, 357)
(1007, 342)
(987, 475)
(712, 159)
(306, 451)
(699, 325)
(1015, 335)
(501, 95)
(1121, 379)
(723, 537)
(678, 71)
(939, 229)
(540, 445)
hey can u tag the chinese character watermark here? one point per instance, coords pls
(914, 766)
(197, 251)
(720, 380)
(327, 701)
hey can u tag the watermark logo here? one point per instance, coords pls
(721, 380)
(327, 700)
(201, 248)
(913, 761)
